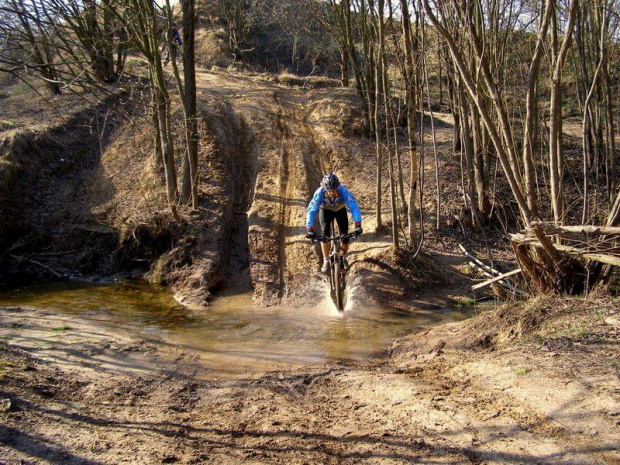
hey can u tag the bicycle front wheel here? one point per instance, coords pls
(339, 286)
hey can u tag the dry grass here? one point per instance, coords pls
(212, 49)
(548, 318)
(309, 82)
(35, 109)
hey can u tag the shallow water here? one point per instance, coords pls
(234, 337)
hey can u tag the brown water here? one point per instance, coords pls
(234, 337)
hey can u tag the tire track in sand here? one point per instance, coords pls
(283, 182)
(296, 256)
(293, 156)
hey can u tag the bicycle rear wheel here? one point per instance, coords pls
(338, 286)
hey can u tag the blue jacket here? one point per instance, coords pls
(177, 36)
(320, 199)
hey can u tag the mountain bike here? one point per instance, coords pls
(172, 51)
(338, 268)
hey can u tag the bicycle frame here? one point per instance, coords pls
(335, 251)
(337, 268)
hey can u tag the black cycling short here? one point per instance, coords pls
(327, 217)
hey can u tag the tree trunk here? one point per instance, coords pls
(378, 62)
(556, 158)
(529, 138)
(456, 129)
(360, 85)
(344, 66)
(410, 94)
(480, 161)
(468, 152)
(610, 136)
(388, 118)
(190, 173)
(167, 147)
(163, 109)
(45, 66)
(158, 158)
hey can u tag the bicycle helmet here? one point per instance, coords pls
(330, 181)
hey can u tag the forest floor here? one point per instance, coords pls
(534, 382)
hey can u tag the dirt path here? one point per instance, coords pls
(296, 136)
(90, 396)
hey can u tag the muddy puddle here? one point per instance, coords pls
(234, 337)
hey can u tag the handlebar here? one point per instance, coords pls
(321, 238)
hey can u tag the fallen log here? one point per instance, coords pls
(491, 273)
(496, 279)
(582, 229)
(478, 263)
(573, 264)
(570, 250)
(34, 262)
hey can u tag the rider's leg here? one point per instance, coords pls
(325, 250)
(326, 220)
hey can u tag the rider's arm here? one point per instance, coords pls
(349, 200)
(313, 206)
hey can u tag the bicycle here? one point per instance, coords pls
(338, 268)
(172, 52)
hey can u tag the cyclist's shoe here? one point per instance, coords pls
(325, 267)
(345, 263)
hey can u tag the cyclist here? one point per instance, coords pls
(176, 36)
(330, 201)
(175, 42)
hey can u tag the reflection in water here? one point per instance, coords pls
(233, 336)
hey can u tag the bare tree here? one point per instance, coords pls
(500, 130)
(556, 155)
(34, 39)
(240, 17)
(187, 92)
(143, 23)
(411, 83)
